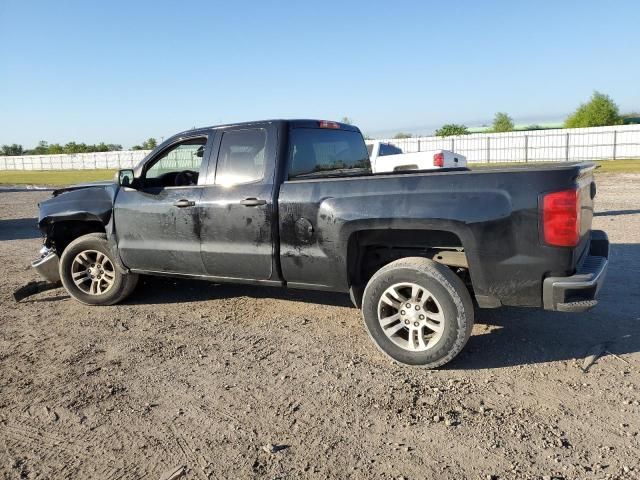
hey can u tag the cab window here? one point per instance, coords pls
(241, 158)
(178, 166)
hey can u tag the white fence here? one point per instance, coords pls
(78, 161)
(570, 144)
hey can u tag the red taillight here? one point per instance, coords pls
(328, 124)
(561, 218)
(438, 159)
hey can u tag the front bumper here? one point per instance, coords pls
(577, 293)
(48, 265)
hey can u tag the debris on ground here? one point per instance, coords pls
(32, 288)
(273, 448)
(174, 473)
(595, 353)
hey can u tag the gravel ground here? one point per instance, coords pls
(222, 381)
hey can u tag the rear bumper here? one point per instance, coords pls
(577, 293)
(47, 265)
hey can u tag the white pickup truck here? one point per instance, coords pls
(386, 157)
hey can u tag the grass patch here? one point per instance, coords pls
(619, 166)
(53, 177)
(606, 166)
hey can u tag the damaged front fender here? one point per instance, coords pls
(72, 212)
(90, 203)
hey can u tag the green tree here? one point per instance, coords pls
(55, 149)
(149, 144)
(41, 149)
(11, 150)
(346, 120)
(44, 148)
(100, 147)
(452, 129)
(502, 123)
(73, 147)
(599, 111)
(402, 135)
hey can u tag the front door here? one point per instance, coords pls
(157, 223)
(237, 210)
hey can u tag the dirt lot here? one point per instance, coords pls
(208, 377)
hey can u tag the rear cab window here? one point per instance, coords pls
(388, 149)
(326, 152)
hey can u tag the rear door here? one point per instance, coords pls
(157, 223)
(237, 217)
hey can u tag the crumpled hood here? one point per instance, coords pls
(78, 186)
(85, 202)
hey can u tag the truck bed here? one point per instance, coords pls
(493, 214)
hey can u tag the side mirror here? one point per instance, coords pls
(125, 178)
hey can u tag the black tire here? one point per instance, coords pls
(445, 287)
(123, 283)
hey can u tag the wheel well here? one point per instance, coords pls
(370, 250)
(60, 234)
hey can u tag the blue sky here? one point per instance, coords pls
(122, 71)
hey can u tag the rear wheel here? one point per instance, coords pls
(418, 312)
(89, 273)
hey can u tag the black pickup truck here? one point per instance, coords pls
(294, 203)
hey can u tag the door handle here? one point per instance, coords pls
(184, 203)
(252, 202)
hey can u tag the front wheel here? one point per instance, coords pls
(89, 273)
(418, 312)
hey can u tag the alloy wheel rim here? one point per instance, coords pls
(411, 317)
(93, 272)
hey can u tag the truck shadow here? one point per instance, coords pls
(519, 336)
(19, 228)
(153, 290)
(503, 337)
